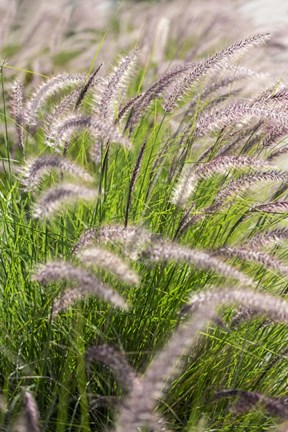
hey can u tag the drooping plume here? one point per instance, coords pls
(267, 261)
(248, 400)
(31, 412)
(57, 197)
(271, 207)
(186, 80)
(60, 135)
(133, 239)
(167, 251)
(87, 284)
(35, 169)
(116, 361)
(221, 165)
(108, 261)
(267, 239)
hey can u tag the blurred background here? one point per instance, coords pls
(49, 36)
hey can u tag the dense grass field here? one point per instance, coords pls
(143, 245)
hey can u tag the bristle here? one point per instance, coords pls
(260, 241)
(61, 110)
(63, 130)
(271, 207)
(51, 201)
(68, 298)
(35, 169)
(249, 180)
(116, 361)
(87, 238)
(89, 83)
(133, 239)
(31, 412)
(17, 101)
(59, 271)
(185, 82)
(214, 87)
(46, 90)
(112, 86)
(266, 260)
(238, 113)
(110, 262)
(141, 105)
(128, 105)
(165, 251)
(248, 400)
(220, 165)
(280, 152)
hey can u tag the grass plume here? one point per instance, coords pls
(87, 284)
(55, 198)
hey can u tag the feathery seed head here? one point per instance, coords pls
(265, 240)
(17, 101)
(249, 400)
(165, 251)
(57, 197)
(213, 63)
(46, 90)
(87, 284)
(31, 412)
(220, 165)
(63, 130)
(34, 170)
(133, 239)
(110, 262)
(116, 361)
(113, 84)
(271, 207)
(266, 260)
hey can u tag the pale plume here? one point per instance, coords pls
(239, 113)
(267, 261)
(163, 251)
(221, 165)
(35, 169)
(248, 400)
(113, 85)
(46, 90)
(267, 239)
(249, 180)
(133, 239)
(271, 207)
(31, 413)
(51, 201)
(87, 284)
(116, 361)
(17, 101)
(62, 130)
(185, 82)
(279, 152)
(109, 262)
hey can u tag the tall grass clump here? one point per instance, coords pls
(143, 261)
